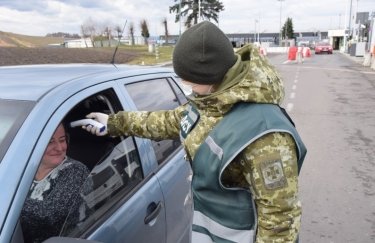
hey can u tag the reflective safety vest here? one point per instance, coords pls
(228, 214)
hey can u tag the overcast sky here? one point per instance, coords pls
(39, 17)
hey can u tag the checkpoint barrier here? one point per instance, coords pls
(306, 52)
(300, 56)
(292, 53)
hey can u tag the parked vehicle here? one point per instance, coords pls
(141, 188)
(322, 47)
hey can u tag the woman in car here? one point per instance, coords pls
(55, 192)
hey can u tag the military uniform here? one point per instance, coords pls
(251, 80)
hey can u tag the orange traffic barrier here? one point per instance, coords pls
(306, 52)
(292, 53)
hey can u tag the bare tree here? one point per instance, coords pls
(88, 29)
(131, 32)
(104, 33)
(165, 23)
(108, 32)
(144, 31)
(84, 34)
(118, 30)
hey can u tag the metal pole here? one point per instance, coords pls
(199, 11)
(179, 33)
(255, 30)
(350, 18)
(281, 7)
(345, 26)
(258, 29)
(358, 24)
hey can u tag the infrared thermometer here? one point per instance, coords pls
(88, 122)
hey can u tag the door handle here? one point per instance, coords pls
(153, 211)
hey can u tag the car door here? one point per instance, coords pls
(160, 92)
(121, 202)
(124, 202)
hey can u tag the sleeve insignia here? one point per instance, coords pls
(273, 174)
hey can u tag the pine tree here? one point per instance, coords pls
(287, 30)
(209, 9)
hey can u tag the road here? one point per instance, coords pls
(332, 101)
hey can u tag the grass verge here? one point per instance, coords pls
(150, 56)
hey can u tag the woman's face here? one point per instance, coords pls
(56, 149)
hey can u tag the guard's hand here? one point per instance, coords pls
(101, 118)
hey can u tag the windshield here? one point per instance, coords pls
(12, 115)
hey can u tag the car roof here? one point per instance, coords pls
(30, 82)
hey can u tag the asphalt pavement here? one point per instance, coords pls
(331, 99)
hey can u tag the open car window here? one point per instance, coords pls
(114, 163)
(113, 170)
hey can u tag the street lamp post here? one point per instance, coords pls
(281, 7)
(350, 18)
(255, 30)
(345, 49)
(199, 11)
(179, 13)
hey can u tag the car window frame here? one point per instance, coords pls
(170, 77)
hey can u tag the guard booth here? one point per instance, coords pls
(336, 39)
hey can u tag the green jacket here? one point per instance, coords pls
(253, 80)
(224, 214)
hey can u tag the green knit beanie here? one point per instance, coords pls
(203, 54)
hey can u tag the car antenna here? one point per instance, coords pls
(118, 43)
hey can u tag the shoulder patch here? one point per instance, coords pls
(273, 174)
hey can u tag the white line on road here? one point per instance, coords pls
(292, 95)
(337, 70)
(289, 107)
(296, 81)
(294, 87)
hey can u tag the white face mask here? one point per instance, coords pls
(187, 88)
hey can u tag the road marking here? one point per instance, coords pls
(294, 87)
(296, 81)
(289, 107)
(337, 70)
(292, 95)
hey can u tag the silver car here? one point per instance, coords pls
(140, 188)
